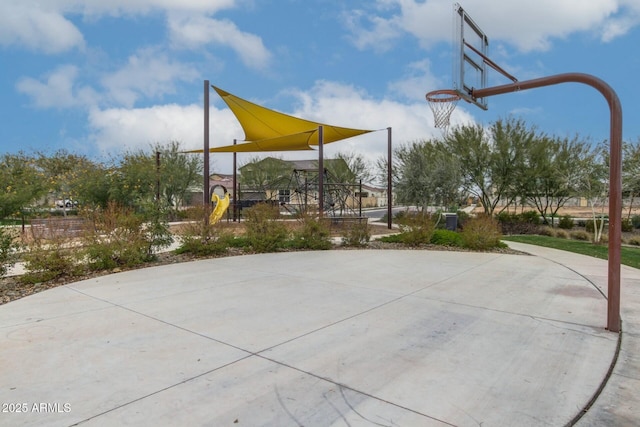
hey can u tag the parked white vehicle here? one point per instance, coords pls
(67, 203)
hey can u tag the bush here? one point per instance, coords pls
(463, 217)
(201, 238)
(356, 234)
(8, 248)
(590, 225)
(52, 253)
(531, 217)
(313, 234)
(627, 225)
(417, 228)
(50, 259)
(481, 233)
(562, 234)
(580, 235)
(634, 240)
(263, 230)
(446, 238)
(635, 220)
(525, 223)
(119, 237)
(547, 231)
(566, 222)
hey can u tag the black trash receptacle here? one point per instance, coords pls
(451, 221)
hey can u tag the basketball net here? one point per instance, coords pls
(442, 103)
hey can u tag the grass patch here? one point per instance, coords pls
(628, 256)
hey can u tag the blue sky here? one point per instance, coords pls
(102, 77)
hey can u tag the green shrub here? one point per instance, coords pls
(119, 237)
(391, 238)
(634, 240)
(8, 248)
(531, 217)
(263, 230)
(48, 260)
(566, 222)
(635, 220)
(52, 253)
(525, 223)
(627, 225)
(446, 238)
(590, 224)
(546, 231)
(356, 233)
(481, 233)
(417, 228)
(200, 238)
(313, 234)
(463, 217)
(580, 235)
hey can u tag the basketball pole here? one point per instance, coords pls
(615, 172)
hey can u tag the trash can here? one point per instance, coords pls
(451, 221)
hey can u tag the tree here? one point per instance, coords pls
(178, 173)
(489, 159)
(594, 185)
(265, 175)
(551, 173)
(22, 183)
(354, 168)
(133, 179)
(631, 172)
(426, 175)
(74, 177)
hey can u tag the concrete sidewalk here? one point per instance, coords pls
(619, 402)
(341, 337)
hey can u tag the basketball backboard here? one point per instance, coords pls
(471, 47)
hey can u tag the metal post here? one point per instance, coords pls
(320, 171)
(389, 180)
(206, 197)
(615, 172)
(360, 200)
(235, 183)
(158, 178)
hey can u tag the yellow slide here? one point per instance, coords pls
(220, 209)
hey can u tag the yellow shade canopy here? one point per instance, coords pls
(269, 130)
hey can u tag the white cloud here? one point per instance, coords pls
(58, 91)
(195, 31)
(526, 25)
(149, 73)
(37, 27)
(344, 105)
(416, 82)
(120, 129)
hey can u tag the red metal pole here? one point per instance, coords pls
(615, 172)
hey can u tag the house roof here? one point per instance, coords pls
(304, 165)
(269, 130)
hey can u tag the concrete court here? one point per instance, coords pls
(332, 338)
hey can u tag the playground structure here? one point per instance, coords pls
(470, 64)
(267, 130)
(220, 207)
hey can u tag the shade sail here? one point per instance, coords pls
(294, 142)
(269, 130)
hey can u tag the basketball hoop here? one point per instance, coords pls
(442, 103)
